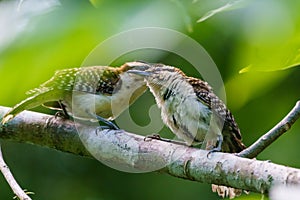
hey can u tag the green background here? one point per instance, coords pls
(259, 38)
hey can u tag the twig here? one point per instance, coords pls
(264, 141)
(129, 152)
(11, 180)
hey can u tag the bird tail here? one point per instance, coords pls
(232, 144)
(29, 103)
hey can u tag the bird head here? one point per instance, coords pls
(157, 74)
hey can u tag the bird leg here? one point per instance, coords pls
(63, 112)
(157, 137)
(110, 125)
(218, 148)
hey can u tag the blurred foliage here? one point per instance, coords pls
(259, 38)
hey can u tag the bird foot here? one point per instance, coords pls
(110, 125)
(156, 136)
(101, 128)
(218, 148)
(62, 115)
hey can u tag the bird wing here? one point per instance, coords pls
(94, 80)
(205, 94)
(62, 80)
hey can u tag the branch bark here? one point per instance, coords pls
(129, 152)
(43, 130)
(11, 180)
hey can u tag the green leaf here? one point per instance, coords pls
(293, 61)
(231, 5)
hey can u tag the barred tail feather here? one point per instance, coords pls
(231, 144)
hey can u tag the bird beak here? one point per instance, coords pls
(139, 72)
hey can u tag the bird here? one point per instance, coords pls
(191, 109)
(193, 112)
(93, 92)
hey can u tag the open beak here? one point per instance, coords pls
(139, 72)
(139, 68)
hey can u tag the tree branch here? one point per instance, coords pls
(129, 152)
(11, 180)
(43, 130)
(264, 141)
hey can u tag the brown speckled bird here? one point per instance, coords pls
(191, 110)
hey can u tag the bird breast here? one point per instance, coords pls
(187, 117)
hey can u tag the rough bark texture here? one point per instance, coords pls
(129, 152)
(43, 130)
(11, 180)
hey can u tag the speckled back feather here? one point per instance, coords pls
(231, 131)
(95, 80)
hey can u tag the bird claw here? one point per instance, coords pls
(218, 148)
(101, 128)
(110, 125)
(156, 136)
(153, 136)
(62, 115)
(58, 115)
